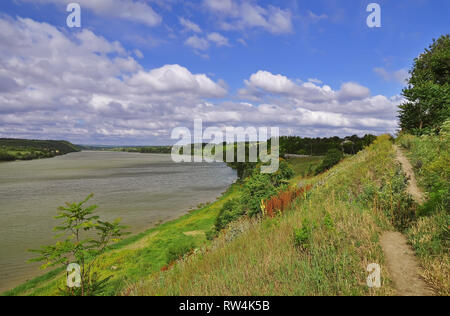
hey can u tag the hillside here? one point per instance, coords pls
(24, 149)
(321, 244)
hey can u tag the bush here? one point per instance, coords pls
(231, 211)
(332, 158)
(176, 252)
(4, 156)
(303, 235)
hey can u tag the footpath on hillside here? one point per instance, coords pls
(400, 258)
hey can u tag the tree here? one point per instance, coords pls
(332, 158)
(76, 248)
(428, 91)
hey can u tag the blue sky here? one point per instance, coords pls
(137, 69)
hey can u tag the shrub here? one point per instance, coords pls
(177, 251)
(332, 158)
(302, 235)
(231, 211)
(4, 156)
(283, 201)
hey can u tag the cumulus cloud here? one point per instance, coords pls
(241, 15)
(311, 103)
(130, 10)
(175, 79)
(353, 91)
(81, 87)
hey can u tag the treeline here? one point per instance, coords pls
(24, 149)
(321, 146)
(148, 149)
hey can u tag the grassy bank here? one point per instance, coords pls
(322, 246)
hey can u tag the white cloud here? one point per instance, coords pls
(241, 15)
(314, 104)
(203, 44)
(138, 53)
(136, 11)
(401, 76)
(87, 89)
(197, 43)
(218, 39)
(175, 79)
(271, 83)
(353, 91)
(189, 25)
(316, 18)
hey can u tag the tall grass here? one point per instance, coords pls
(430, 234)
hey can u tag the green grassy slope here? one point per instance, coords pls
(340, 222)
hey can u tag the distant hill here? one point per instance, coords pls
(24, 149)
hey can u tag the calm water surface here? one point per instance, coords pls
(142, 189)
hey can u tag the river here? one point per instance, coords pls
(142, 189)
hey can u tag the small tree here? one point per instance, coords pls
(77, 248)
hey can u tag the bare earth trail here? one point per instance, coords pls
(401, 260)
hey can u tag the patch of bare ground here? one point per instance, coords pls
(403, 266)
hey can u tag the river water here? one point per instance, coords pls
(142, 189)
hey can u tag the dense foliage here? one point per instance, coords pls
(22, 149)
(147, 149)
(332, 158)
(428, 91)
(320, 146)
(257, 188)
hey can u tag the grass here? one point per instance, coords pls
(430, 233)
(322, 246)
(304, 167)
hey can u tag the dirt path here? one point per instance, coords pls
(403, 266)
(412, 189)
(400, 258)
